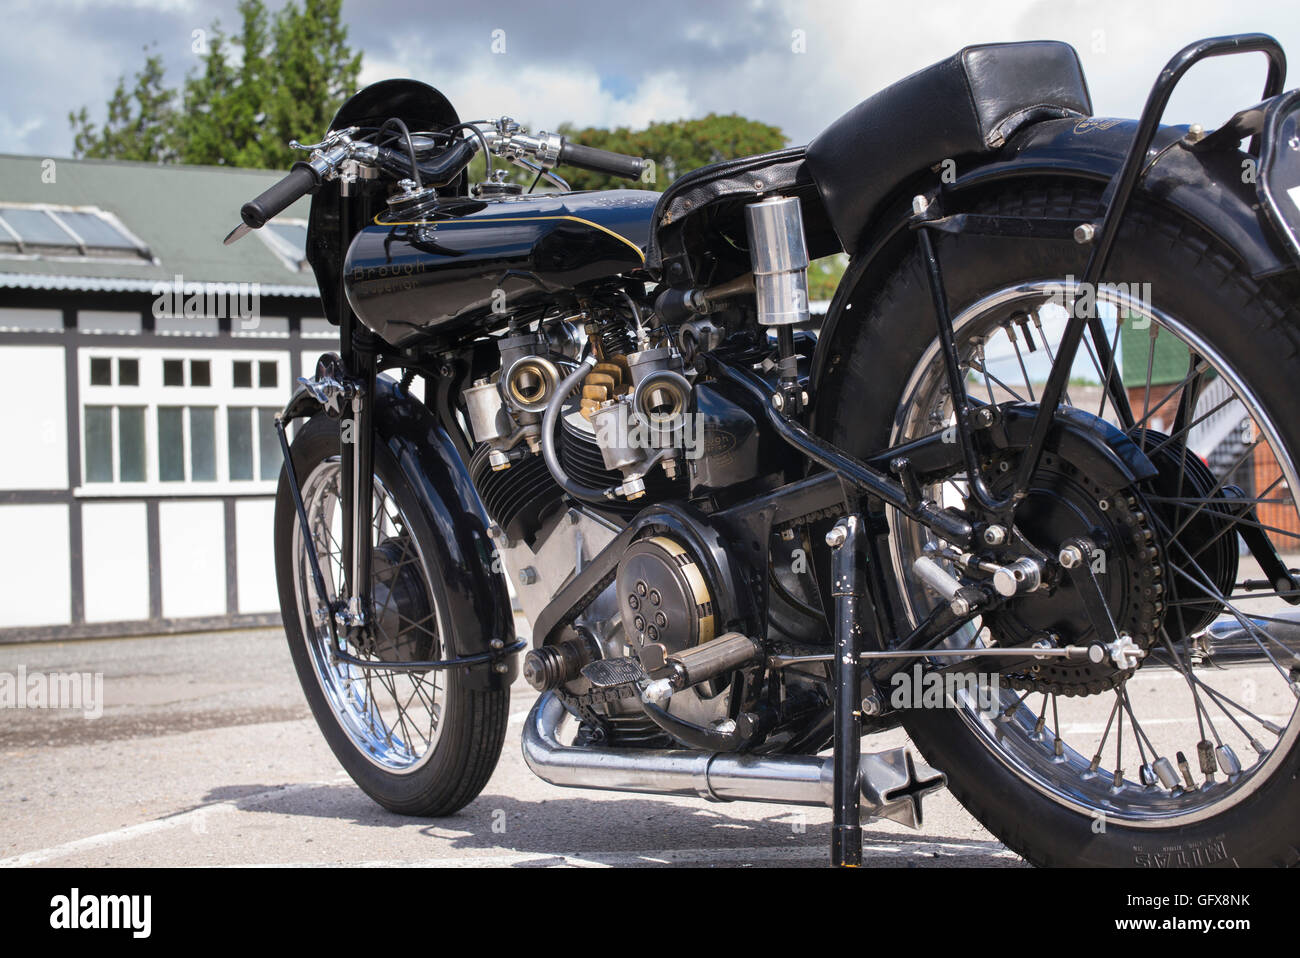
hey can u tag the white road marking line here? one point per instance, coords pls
(130, 832)
(1164, 673)
(664, 856)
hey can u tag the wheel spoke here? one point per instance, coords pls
(392, 720)
(1049, 741)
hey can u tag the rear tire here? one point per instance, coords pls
(1253, 325)
(472, 725)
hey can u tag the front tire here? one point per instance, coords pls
(1255, 329)
(419, 744)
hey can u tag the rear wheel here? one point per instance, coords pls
(418, 743)
(1175, 762)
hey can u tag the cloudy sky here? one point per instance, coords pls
(628, 63)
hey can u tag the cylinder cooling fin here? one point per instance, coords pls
(517, 499)
(583, 460)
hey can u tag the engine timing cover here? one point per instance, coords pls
(664, 595)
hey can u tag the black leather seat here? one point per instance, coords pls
(968, 104)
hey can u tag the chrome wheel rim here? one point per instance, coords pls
(1020, 729)
(393, 718)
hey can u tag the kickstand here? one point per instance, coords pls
(852, 602)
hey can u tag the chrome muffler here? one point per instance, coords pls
(893, 781)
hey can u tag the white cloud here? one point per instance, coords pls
(681, 58)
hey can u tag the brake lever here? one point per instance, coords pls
(553, 178)
(235, 235)
(330, 140)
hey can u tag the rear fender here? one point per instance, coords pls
(1215, 190)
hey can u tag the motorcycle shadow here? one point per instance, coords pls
(605, 828)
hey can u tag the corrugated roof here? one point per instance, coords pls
(181, 212)
(111, 285)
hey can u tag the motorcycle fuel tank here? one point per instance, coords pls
(455, 263)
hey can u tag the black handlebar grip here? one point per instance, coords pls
(302, 179)
(601, 161)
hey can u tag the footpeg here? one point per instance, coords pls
(612, 673)
(894, 783)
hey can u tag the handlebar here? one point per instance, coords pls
(302, 179)
(601, 161)
(329, 158)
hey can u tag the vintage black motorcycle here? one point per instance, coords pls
(1028, 490)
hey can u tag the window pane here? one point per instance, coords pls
(101, 371)
(130, 443)
(99, 443)
(267, 375)
(128, 372)
(173, 372)
(203, 443)
(171, 444)
(268, 444)
(200, 372)
(35, 226)
(239, 431)
(243, 373)
(96, 231)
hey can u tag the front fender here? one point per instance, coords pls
(478, 603)
(477, 599)
(1214, 190)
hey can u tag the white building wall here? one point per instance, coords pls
(115, 563)
(35, 573)
(254, 536)
(192, 543)
(36, 430)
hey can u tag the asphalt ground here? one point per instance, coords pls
(205, 754)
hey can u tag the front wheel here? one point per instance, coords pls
(1178, 762)
(418, 743)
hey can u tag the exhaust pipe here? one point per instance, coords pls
(893, 782)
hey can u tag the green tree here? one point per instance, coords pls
(225, 106)
(278, 79)
(314, 71)
(676, 147)
(824, 275)
(140, 124)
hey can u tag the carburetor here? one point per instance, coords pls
(508, 412)
(646, 422)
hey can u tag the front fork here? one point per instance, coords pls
(356, 448)
(357, 470)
